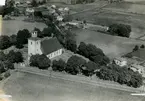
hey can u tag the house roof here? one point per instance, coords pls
(139, 54)
(49, 45)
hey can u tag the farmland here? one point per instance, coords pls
(113, 46)
(127, 13)
(30, 87)
(10, 27)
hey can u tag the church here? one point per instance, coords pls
(49, 46)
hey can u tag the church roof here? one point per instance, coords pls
(49, 45)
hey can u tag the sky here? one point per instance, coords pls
(2, 2)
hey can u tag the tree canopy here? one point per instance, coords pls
(74, 64)
(22, 36)
(58, 65)
(120, 30)
(122, 75)
(93, 53)
(4, 42)
(40, 61)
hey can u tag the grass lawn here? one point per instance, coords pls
(30, 87)
(10, 27)
(113, 46)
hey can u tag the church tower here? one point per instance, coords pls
(34, 45)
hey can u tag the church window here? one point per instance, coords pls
(31, 43)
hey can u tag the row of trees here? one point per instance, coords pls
(111, 72)
(122, 75)
(79, 66)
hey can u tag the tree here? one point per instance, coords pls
(19, 57)
(90, 68)
(43, 62)
(120, 30)
(19, 45)
(40, 61)
(71, 45)
(58, 65)
(74, 65)
(2, 56)
(38, 14)
(122, 75)
(136, 80)
(82, 49)
(33, 60)
(4, 42)
(93, 53)
(34, 3)
(105, 74)
(47, 32)
(2, 68)
(142, 46)
(8, 65)
(8, 8)
(39, 33)
(22, 36)
(136, 48)
(13, 39)
(15, 57)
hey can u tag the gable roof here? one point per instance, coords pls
(49, 45)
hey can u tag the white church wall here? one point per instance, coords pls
(55, 54)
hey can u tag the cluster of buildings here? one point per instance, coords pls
(135, 63)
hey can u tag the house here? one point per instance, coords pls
(137, 67)
(49, 46)
(29, 11)
(120, 61)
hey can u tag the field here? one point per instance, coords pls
(112, 46)
(127, 13)
(30, 87)
(79, 7)
(10, 27)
